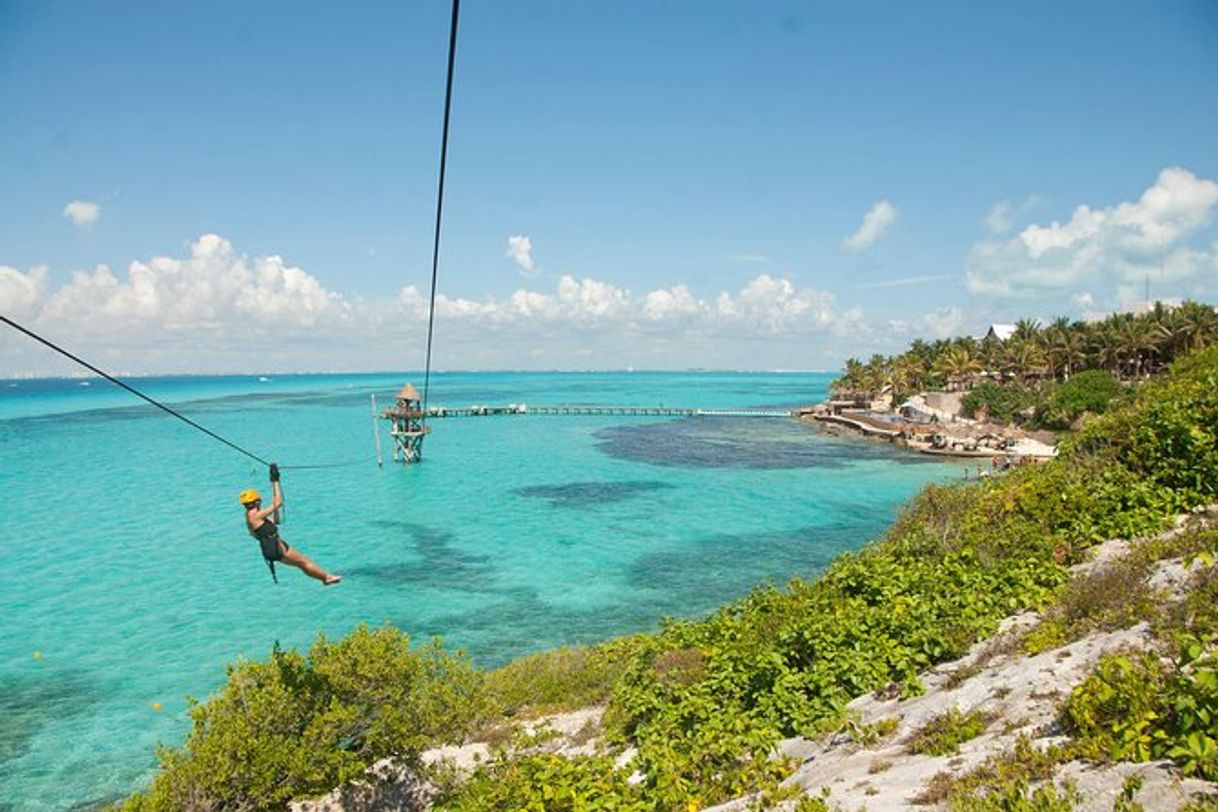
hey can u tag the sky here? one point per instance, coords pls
(231, 187)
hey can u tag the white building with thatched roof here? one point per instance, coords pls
(1000, 331)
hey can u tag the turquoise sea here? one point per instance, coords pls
(129, 579)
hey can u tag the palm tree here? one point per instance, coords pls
(1065, 347)
(1023, 357)
(1106, 347)
(908, 377)
(1026, 330)
(851, 381)
(1135, 339)
(1196, 326)
(958, 364)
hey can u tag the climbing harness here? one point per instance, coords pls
(431, 314)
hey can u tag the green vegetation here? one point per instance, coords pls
(297, 725)
(1088, 392)
(994, 401)
(943, 735)
(1136, 708)
(1058, 372)
(705, 701)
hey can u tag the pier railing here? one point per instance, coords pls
(576, 409)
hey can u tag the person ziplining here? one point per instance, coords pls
(257, 518)
(274, 548)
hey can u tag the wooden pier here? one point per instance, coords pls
(408, 420)
(587, 410)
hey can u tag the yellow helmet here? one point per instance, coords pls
(249, 495)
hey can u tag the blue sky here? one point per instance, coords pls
(251, 186)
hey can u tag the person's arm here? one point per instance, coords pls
(276, 503)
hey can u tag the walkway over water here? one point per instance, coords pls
(575, 409)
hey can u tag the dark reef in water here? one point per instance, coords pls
(29, 702)
(713, 442)
(436, 561)
(589, 494)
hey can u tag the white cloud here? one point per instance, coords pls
(82, 213)
(1122, 243)
(999, 219)
(520, 249)
(671, 303)
(214, 286)
(875, 223)
(21, 293)
(216, 309)
(944, 322)
(1002, 216)
(901, 282)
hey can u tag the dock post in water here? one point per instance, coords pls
(376, 434)
(406, 426)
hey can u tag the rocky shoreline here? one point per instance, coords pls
(934, 424)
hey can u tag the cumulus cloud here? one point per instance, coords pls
(82, 212)
(999, 219)
(21, 293)
(212, 287)
(875, 223)
(1002, 215)
(216, 309)
(195, 312)
(1119, 244)
(520, 249)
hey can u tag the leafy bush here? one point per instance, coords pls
(561, 679)
(546, 782)
(1171, 437)
(943, 734)
(297, 725)
(1002, 402)
(1091, 392)
(1137, 709)
(1018, 797)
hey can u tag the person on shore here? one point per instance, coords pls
(258, 522)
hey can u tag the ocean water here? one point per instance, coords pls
(129, 580)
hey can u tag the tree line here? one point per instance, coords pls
(1129, 346)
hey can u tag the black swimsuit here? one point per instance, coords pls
(268, 536)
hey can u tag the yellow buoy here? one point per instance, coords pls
(37, 655)
(156, 706)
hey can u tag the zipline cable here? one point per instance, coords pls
(131, 389)
(157, 403)
(435, 251)
(431, 311)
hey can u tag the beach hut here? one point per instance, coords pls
(1000, 331)
(406, 426)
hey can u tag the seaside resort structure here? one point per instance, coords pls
(406, 426)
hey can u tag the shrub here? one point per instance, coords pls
(1136, 709)
(297, 725)
(1002, 402)
(1171, 436)
(561, 679)
(545, 782)
(1091, 392)
(943, 734)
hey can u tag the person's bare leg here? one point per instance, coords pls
(302, 562)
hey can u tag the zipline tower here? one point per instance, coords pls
(406, 426)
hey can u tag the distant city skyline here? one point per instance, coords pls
(250, 187)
